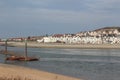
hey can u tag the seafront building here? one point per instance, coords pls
(100, 36)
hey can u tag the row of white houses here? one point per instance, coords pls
(81, 40)
(110, 36)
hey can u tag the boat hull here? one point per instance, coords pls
(17, 58)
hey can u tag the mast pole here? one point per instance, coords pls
(6, 46)
(25, 49)
(5, 49)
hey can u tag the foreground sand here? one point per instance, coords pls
(29, 74)
(72, 46)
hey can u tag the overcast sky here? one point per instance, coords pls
(40, 17)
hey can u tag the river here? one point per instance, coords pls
(87, 64)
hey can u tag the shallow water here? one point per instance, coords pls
(87, 64)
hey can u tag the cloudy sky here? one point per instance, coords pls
(40, 17)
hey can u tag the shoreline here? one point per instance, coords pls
(64, 46)
(24, 73)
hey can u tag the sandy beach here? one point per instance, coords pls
(8, 71)
(58, 45)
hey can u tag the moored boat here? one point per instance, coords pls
(20, 58)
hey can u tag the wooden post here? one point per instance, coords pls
(25, 49)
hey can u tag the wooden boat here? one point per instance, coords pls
(20, 58)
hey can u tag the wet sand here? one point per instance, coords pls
(30, 74)
(60, 45)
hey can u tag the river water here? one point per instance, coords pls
(86, 64)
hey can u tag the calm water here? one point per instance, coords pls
(87, 64)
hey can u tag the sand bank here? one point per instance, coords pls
(73, 46)
(29, 74)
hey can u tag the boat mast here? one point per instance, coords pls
(25, 49)
(6, 46)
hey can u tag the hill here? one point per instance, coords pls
(108, 29)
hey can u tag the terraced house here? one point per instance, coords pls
(106, 35)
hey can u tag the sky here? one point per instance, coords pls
(22, 18)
